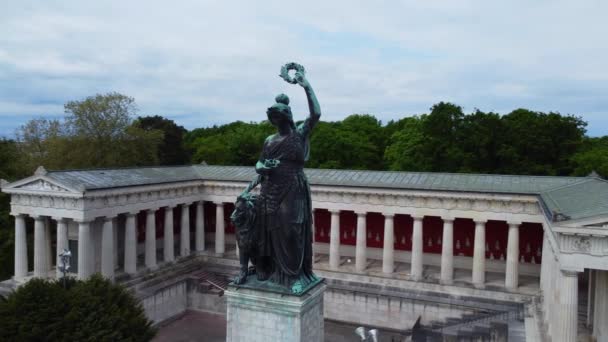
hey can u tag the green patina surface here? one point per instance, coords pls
(254, 284)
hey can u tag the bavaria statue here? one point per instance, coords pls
(274, 226)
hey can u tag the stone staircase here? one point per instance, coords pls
(490, 326)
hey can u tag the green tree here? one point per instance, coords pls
(237, 143)
(11, 168)
(172, 150)
(92, 310)
(539, 143)
(40, 142)
(34, 312)
(404, 151)
(481, 136)
(357, 142)
(323, 152)
(211, 150)
(441, 131)
(96, 132)
(7, 239)
(593, 156)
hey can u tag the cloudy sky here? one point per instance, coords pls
(210, 62)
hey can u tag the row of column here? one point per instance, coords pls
(560, 298)
(42, 246)
(86, 266)
(447, 252)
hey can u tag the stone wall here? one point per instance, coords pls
(385, 311)
(254, 315)
(201, 300)
(166, 302)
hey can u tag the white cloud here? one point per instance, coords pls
(204, 62)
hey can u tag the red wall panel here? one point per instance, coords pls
(348, 228)
(375, 229)
(160, 223)
(192, 218)
(322, 225)
(141, 226)
(209, 211)
(496, 240)
(432, 232)
(464, 237)
(531, 234)
(228, 209)
(403, 232)
(530, 242)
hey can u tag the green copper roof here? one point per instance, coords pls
(581, 200)
(116, 178)
(574, 197)
(406, 180)
(112, 178)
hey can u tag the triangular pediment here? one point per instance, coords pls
(42, 185)
(38, 184)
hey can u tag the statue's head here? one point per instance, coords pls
(280, 112)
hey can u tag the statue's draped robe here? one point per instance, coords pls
(285, 209)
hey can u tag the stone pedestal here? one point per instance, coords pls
(260, 315)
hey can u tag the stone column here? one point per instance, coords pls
(200, 227)
(447, 253)
(220, 230)
(591, 275)
(334, 240)
(361, 248)
(479, 255)
(62, 242)
(568, 307)
(107, 249)
(151, 239)
(600, 314)
(85, 250)
(553, 297)
(545, 275)
(40, 254)
(184, 236)
(512, 274)
(416, 266)
(48, 236)
(20, 247)
(115, 230)
(131, 243)
(388, 250)
(543, 264)
(168, 247)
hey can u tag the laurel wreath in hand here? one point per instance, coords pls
(291, 66)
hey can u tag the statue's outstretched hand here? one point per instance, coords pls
(271, 163)
(301, 79)
(267, 165)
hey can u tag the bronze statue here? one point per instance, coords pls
(274, 228)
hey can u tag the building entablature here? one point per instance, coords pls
(86, 194)
(40, 197)
(582, 247)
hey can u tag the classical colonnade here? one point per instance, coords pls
(417, 255)
(109, 248)
(86, 264)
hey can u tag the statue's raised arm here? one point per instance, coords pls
(313, 104)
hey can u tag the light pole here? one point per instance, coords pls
(65, 256)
